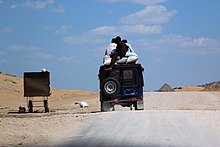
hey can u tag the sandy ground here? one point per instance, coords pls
(38, 129)
(152, 128)
(67, 119)
(182, 101)
(26, 129)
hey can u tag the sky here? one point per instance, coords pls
(178, 42)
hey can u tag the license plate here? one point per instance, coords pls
(140, 104)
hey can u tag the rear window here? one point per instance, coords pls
(128, 74)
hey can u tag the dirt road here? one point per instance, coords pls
(152, 128)
(169, 119)
(182, 101)
(181, 119)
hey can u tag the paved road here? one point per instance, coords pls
(152, 128)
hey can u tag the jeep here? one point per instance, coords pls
(123, 85)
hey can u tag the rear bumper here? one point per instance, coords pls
(125, 102)
(127, 95)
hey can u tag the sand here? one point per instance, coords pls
(26, 129)
(66, 118)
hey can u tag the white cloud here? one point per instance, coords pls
(63, 29)
(38, 4)
(82, 39)
(127, 29)
(106, 30)
(13, 6)
(144, 22)
(96, 35)
(149, 15)
(5, 30)
(143, 2)
(41, 56)
(142, 29)
(70, 60)
(37, 59)
(65, 59)
(148, 2)
(49, 28)
(178, 44)
(23, 48)
(74, 40)
(111, 1)
(41, 4)
(59, 9)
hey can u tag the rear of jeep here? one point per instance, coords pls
(123, 85)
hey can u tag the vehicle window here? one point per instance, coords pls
(128, 74)
(115, 73)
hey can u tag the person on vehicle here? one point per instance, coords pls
(130, 49)
(132, 57)
(120, 51)
(110, 47)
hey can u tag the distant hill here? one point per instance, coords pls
(12, 96)
(11, 83)
(211, 86)
(7, 74)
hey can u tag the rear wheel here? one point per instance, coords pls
(110, 87)
(105, 106)
(131, 107)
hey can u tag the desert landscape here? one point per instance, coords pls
(66, 118)
(35, 128)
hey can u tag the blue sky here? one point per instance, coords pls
(178, 42)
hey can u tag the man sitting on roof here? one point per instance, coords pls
(120, 51)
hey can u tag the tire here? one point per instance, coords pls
(30, 106)
(105, 106)
(46, 110)
(135, 107)
(131, 108)
(46, 106)
(110, 87)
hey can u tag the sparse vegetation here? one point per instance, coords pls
(212, 85)
(11, 81)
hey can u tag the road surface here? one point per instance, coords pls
(191, 126)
